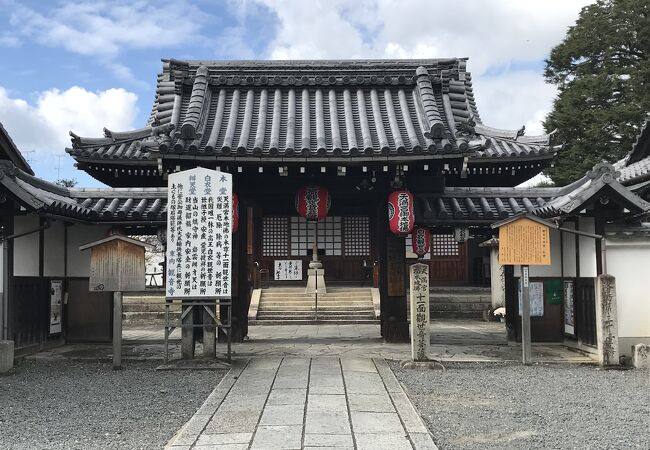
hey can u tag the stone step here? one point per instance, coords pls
(447, 306)
(149, 307)
(321, 301)
(461, 289)
(443, 298)
(312, 311)
(458, 315)
(313, 322)
(343, 296)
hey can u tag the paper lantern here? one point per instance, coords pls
(421, 238)
(235, 212)
(313, 202)
(400, 212)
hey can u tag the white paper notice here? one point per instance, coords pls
(199, 239)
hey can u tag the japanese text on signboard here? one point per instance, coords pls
(199, 221)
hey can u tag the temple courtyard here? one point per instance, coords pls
(324, 386)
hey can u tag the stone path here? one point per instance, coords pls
(296, 403)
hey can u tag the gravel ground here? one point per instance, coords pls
(510, 406)
(85, 405)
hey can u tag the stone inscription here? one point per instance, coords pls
(419, 296)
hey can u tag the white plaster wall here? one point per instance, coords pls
(587, 248)
(569, 244)
(26, 248)
(53, 250)
(629, 262)
(79, 262)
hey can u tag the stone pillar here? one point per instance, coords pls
(6, 356)
(640, 353)
(497, 280)
(419, 298)
(187, 333)
(607, 320)
(315, 278)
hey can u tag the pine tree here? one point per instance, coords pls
(602, 72)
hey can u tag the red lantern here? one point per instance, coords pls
(400, 212)
(313, 202)
(235, 212)
(421, 238)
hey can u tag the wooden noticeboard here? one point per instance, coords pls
(524, 242)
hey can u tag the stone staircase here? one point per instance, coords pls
(140, 309)
(344, 305)
(459, 302)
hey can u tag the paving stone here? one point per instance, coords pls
(287, 397)
(225, 438)
(277, 437)
(376, 441)
(370, 402)
(408, 414)
(327, 423)
(282, 415)
(326, 403)
(363, 383)
(222, 447)
(232, 422)
(371, 422)
(387, 376)
(325, 380)
(358, 365)
(328, 440)
(423, 441)
(327, 390)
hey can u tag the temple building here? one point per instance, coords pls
(360, 129)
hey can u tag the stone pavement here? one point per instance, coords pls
(295, 403)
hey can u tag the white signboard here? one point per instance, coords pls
(287, 269)
(199, 234)
(536, 297)
(56, 300)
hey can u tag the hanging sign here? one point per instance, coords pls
(400, 212)
(569, 316)
(56, 300)
(524, 242)
(287, 269)
(199, 234)
(461, 234)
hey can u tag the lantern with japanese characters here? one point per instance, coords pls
(235, 212)
(421, 240)
(313, 202)
(400, 212)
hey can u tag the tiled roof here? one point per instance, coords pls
(635, 173)
(454, 205)
(9, 149)
(298, 109)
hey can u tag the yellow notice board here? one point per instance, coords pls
(524, 242)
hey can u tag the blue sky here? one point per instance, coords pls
(82, 65)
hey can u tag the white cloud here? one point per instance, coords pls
(102, 28)
(43, 126)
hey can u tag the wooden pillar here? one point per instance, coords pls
(117, 330)
(209, 333)
(392, 285)
(512, 303)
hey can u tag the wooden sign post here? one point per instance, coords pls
(117, 264)
(524, 240)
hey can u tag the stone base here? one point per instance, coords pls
(641, 356)
(422, 365)
(315, 279)
(6, 356)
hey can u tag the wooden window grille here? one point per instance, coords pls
(444, 245)
(357, 235)
(275, 236)
(329, 236)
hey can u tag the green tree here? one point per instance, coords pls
(602, 73)
(66, 182)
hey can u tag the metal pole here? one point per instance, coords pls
(166, 332)
(315, 258)
(525, 315)
(117, 330)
